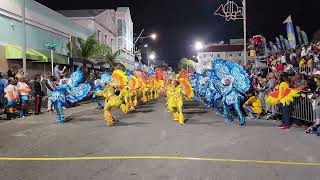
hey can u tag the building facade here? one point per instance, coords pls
(232, 52)
(43, 25)
(112, 27)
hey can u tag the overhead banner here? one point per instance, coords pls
(305, 37)
(278, 44)
(299, 34)
(290, 32)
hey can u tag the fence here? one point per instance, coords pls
(301, 109)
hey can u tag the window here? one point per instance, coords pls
(240, 54)
(98, 36)
(204, 55)
(119, 27)
(105, 39)
(111, 43)
(218, 55)
(211, 55)
(230, 55)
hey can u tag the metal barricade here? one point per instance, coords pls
(300, 109)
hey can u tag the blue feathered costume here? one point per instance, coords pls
(72, 91)
(232, 81)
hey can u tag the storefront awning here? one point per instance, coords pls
(15, 52)
(39, 56)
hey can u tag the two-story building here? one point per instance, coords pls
(232, 51)
(112, 27)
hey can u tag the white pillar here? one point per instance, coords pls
(244, 32)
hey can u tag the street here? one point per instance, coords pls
(150, 131)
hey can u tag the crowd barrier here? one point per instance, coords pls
(301, 109)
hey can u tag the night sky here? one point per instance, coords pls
(181, 22)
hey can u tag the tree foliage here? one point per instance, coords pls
(185, 62)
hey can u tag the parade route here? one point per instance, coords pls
(148, 144)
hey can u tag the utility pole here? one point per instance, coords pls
(24, 38)
(244, 32)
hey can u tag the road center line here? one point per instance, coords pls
(161, 157)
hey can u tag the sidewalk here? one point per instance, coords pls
(51, 116)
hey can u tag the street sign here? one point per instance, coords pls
(52, 44)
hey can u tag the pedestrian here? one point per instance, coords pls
(38, 94)
(12, 95)
(24, 92)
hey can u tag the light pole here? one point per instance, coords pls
(24, 38)
(152, 36)
(244, 4)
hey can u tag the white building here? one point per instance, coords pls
(232, 51)
(112, 28)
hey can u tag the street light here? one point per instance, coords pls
(152, 57)
(153, 36)
(198, 45)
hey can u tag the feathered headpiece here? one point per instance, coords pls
(119, 78)
(184, 83)
(134, 83)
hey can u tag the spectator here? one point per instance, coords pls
(12, 95)
(269, 88)
(24, 91)
(38, 94)
(58, 73)
(3, 84)
(253, 106)
(280, 68)
(51, 86)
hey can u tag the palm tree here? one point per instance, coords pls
(111, 57)
(87, 49)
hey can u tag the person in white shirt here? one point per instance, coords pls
(283, 59)
(24, 91)
(12, 95)
(303, 52)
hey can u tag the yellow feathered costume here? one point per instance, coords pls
(175, 94)
(115, 95)
(283, 94)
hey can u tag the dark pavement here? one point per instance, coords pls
(150, 131)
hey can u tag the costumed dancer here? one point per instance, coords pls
(72, 91)
(12, 95)
(283, 95)
(233, 81)
(181, 89)
(113, 95)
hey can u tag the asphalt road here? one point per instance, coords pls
(150, 131)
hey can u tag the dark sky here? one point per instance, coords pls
(181, 22)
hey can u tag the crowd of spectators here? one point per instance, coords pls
(36, 89)
(299, 66)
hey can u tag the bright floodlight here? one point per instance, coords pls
(198, 45)
(152, 56)
(153, 36)
(146, 45)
